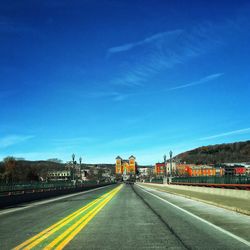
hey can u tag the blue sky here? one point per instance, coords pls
(107, 78)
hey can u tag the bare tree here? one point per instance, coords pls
(9, 165)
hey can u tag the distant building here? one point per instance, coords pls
(201, 170)
(59, 175)
(145, 171)
(125, 167)
(160, 169)
(182, 170)
(85, 174)
(171, 166)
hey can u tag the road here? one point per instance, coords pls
(122, 217)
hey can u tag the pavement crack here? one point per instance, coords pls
(161, 219)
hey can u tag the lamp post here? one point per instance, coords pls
(165, 168)
(80, 169)
(170, 154)
(73, 167)
(73, 158)
(80, 161)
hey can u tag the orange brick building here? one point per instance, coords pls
(159, 169)
(127, 167)
(195, 170)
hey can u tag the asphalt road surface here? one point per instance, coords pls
(122, 217)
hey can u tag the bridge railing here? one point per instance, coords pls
(18, 187)
(213, 179)
(158, 180)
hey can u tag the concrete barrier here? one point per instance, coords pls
(242, 194)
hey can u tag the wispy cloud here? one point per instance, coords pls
(11, 140)
(113, 95)
(234, 132)
(153, 38)
(35, 155)
(119, 96)
(162, 51)
(201, 81)
(70, 142)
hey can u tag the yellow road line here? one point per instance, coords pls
(77, 227)
(45, 233)
(33, 244)
(45, 236)
(51, 228)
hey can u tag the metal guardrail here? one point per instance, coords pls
(17, 187)
(159, 181)
(213, 179)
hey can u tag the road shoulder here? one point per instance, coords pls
(231, 203)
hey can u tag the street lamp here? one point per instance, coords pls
(170, 154)
(165, 167)
(73, 158)
(73, 168)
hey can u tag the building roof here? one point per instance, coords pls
(160, 164)
(118, 157)
(131, 157)
(125, 161)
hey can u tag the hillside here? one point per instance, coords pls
(220, 153)
(23, 170)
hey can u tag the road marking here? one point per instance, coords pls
(47, 232)
(75, 214)
(70, 233)
(37, 203)
(198, 218)
(52, 229)
(42, 236)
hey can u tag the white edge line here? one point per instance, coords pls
(198, 218)
(34, 204)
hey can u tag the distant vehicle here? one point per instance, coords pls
(128, 179)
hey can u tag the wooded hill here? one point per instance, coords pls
(23, 170)
(221, 153)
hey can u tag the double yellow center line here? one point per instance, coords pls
(61, 233)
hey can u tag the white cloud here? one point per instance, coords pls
(160, 52)
(153, 38)
(11, 140)
(115, 96)
(234, 132)
(201, 81)
(75, 140)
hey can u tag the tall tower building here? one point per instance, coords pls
(118, 165)
(127, 167)
(132, 169)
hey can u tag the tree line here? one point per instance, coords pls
(215, 154)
